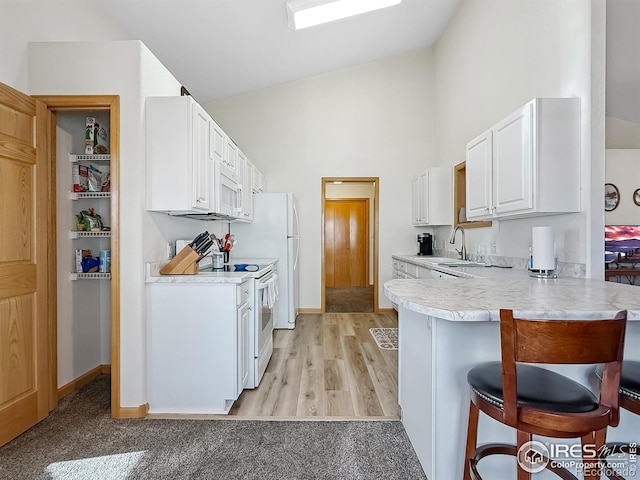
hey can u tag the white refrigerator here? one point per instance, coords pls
(274, 234)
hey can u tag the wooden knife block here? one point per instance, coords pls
(184, 263)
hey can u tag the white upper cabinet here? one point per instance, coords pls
(431, 191)
(258, 184)
(217, 141)
(193, 167)
(229, 166)
(528, 164)
(247, 191)
(179, 167)
(478, 174)
(202, 163)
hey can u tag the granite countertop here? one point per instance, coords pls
(480, 292)
(152, 273)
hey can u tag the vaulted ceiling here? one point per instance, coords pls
(221, 48)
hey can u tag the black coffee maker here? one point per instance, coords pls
(425, 244)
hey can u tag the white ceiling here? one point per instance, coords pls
(221, 48)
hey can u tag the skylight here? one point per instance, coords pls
(309, 13)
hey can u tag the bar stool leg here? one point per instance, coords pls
(523, 437)
(472, 440)
(594, 440)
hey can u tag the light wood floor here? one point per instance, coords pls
(328, 366)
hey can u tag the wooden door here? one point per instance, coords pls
(24, 213)
(346, 248)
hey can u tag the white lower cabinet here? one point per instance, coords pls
(404, 269)
(244, 315)
(198, 346)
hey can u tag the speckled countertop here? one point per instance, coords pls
(481, 292)
(152, 273)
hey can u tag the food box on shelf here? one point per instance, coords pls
(80, 174)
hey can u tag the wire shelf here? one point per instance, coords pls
(89, 158)
(90, 276)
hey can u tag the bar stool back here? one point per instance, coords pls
(630, 386)
(629, 399)
(538, 401)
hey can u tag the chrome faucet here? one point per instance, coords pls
(463, 251)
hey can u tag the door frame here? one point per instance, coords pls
(111, 103)
(376, 189)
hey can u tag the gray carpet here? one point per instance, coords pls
(79, 440)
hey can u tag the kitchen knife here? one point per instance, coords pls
(198, 238)
(202, 245)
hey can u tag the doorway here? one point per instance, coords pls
(99, 296)
(349, 245)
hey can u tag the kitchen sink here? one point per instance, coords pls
(436, 260)
(461, 263)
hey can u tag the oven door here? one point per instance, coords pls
(263, 340)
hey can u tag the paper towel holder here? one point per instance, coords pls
(543, 273)
(542, 261)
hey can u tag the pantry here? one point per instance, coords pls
(85, 186)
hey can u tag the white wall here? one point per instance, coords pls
(622, 134)
(23, 21)
(623, 61)
(371, 120)
(496, 55)
(72, 68)
(623, 74)
(130, 70)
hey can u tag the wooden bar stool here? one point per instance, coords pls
(537, 401)
(629, 399)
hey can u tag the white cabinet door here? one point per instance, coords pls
(416, 200)
(217, 142)
(202, 163)
(528, 164)
(423, 181)
(479, 176)
(257, 181)
(243, 317)
(192, 363)
(513, 162)
(179, 168)
(431, 190)
(420, 192)
(247, 189)
(230, 161)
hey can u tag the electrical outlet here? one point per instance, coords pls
(169, 250)
(494, 248)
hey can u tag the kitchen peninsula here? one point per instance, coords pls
(448, 325)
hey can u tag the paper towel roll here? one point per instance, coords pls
(542, 248)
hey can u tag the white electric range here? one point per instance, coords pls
(265, 301)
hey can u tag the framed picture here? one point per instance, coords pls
(611, 197)
(636, 196)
